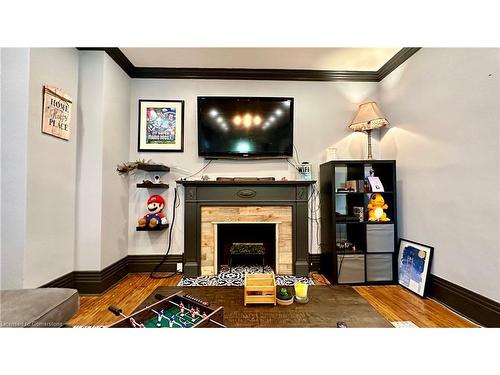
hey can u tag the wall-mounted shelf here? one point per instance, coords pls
(363, 192)
(155, 229)
(364, 222)
(152, 186)
(153, 167)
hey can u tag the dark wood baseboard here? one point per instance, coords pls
(97, 282)
(146, 263)
(314, 261)
(473, 306)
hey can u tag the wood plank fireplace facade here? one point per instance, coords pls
(209, 203)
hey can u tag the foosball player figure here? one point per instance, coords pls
(193, 315)
(160, 314)
(181, 306)
(204, 316)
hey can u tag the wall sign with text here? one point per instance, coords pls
(56, 112)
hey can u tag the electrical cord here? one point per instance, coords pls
(201, 170)
(297, 153)
(155, 270)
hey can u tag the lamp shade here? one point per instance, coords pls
(368, 117)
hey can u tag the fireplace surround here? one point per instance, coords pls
(210, 203)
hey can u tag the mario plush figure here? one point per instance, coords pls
(154, 217)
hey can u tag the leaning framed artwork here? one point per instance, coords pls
(414, 264)
(161, 126)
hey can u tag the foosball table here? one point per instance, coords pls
(178, 310)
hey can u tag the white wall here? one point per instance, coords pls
(322, 112)
(51, 169)
(444, 108)
(116, 143)
(102, 195)
(14, 78)
(89, 169)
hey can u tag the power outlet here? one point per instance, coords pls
(179, 267)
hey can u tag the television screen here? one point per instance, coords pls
(245, 127)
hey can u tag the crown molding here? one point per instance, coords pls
(400, 57)
(255, 74)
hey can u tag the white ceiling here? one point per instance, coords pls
(278, 58)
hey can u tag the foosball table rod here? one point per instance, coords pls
(118, 312)
(160, 297)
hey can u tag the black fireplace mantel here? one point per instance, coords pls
(245, 193)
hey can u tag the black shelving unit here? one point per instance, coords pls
(374, 259)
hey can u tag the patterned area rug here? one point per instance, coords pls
(236, 275)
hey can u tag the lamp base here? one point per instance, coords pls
(370, 156)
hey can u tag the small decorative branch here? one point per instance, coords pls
(130, 167)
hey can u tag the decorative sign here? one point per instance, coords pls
(56, 112)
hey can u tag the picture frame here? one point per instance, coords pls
(161, 126)
(414, 265)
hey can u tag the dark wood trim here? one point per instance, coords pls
(146, 263)
(97, 282)
(255, 74)
(314, 261)
(65, 281)
(475, 307)
(118, 57)
(395, 61)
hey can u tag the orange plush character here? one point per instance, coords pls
(376, 208)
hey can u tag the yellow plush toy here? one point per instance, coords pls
(376, 208)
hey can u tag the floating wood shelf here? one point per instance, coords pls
(153, 167)
(152, 186)
(362, 192)
(364, 222)
(155, 229)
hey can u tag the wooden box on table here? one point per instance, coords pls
(259, 288)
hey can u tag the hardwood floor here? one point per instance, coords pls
(396, 303)
(393, 302)
(127, 294)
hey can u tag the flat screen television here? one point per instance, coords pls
(245, 127)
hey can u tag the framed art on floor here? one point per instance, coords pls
(161, 126)
(414, 264)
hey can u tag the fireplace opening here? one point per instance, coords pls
(250, 238)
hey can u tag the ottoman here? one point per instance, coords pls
(42, 307)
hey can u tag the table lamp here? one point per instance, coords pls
(367, 118)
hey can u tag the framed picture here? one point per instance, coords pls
(56, 112)
(414, 265)
(161, 126)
